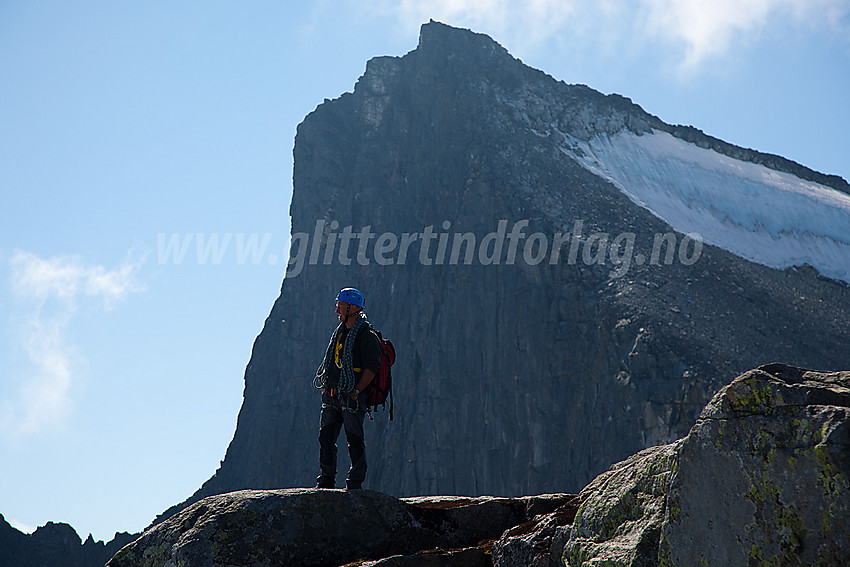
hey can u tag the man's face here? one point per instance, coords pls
(343, 308)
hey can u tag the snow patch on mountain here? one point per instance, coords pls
(765, 216)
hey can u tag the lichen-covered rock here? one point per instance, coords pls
(761, 479)
(330, 527)
(623, 510)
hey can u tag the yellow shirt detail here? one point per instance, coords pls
(337, 350)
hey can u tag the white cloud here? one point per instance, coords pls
(68, 277)
(47, 292)
(711, 29)
(705, 28)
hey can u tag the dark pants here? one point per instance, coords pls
(332, 420)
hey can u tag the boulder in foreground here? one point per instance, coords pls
(309, 527)
(761, 479)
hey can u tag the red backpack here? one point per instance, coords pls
(381, 386)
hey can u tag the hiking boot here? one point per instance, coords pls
(322, 483)
(353, 486)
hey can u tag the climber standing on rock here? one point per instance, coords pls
(352, 359)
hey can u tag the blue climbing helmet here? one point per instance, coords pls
(352, 296)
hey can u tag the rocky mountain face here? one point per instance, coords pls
(536, 344)
(55, 544)
(759, 480)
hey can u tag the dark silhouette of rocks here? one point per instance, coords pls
(55, 544)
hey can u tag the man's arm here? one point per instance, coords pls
(363, 383)
(370, 349)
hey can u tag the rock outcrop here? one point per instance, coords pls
(55, 544)
(311, 527)
(512, 378)
(761, 479)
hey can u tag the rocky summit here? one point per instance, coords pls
(761, 479)
(520, 370)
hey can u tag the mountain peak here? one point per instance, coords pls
(452, 52)
(445, 53)
(442, 40)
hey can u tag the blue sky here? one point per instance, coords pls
(129, 127)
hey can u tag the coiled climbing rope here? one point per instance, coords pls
(346, 363)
